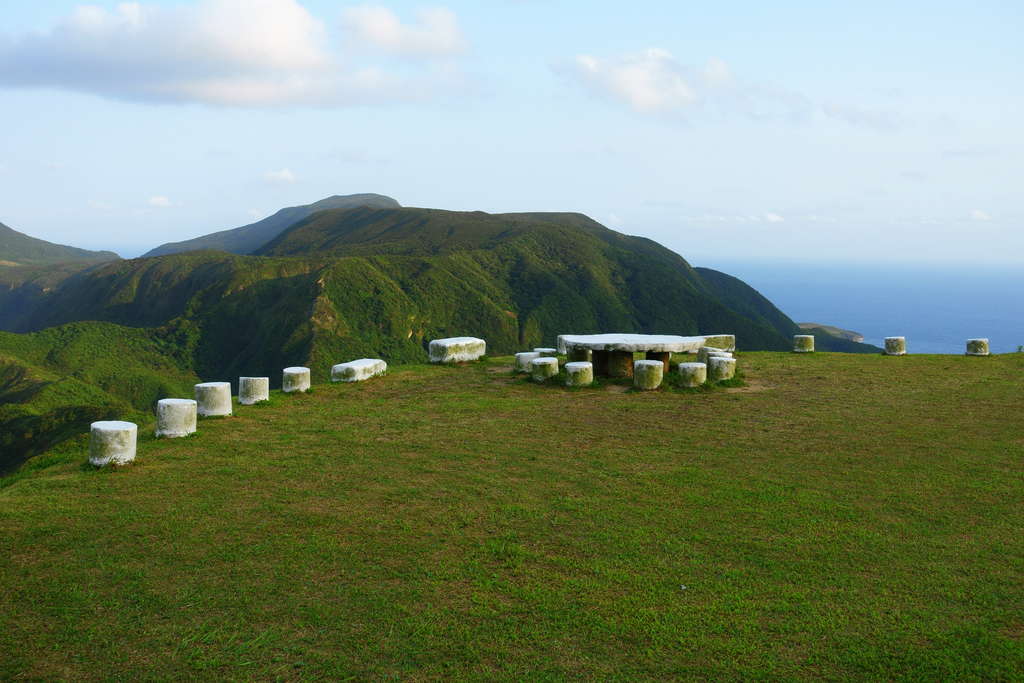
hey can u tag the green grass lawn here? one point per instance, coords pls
(840, 516)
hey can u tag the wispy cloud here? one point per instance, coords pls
(435, 33)
(160, 202)
(283, 177)
(980, 215)
(654, 82)
(252, 53)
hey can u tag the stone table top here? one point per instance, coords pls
(657, 343)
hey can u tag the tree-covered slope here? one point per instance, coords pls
(19, 249)
(55, 382)
(249, 238)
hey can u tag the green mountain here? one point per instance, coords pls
(249, 238)
(18, 249)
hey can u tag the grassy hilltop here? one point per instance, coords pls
(840, 516)
(18, 249)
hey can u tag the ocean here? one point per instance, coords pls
(937, 308)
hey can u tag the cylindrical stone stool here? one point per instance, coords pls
(978, 347)
(523, 360)
(252, 390)
(175, 417)
(214, 399)
(803, 343)
(112, 443)
(295, 380)
(546, 352)
(693, 374)
(647, 374)
(579, 374)
(705, 351)
(543, 369)
(580, 355)
(895, 346)
(721, 369)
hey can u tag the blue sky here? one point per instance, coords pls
(789, 131)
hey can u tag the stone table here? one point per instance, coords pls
(613, 353)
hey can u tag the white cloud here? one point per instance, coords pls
(98, 205)
(282, 177)
(222, 52)
(860, 116)
(160, 202)
(436, 32)
(654, 82)
(774, 218)
(979, 215)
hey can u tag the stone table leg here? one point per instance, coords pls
(620, 363)
(664, 357)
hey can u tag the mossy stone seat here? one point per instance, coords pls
(252, 390)
(295, 380)
(693, 374)
(213, 399)
(112, 443)
(978, 347)
(579, 374)
(803, 343)
(522, 361)
(175, 417)
(648, 374)
(895, 346)
(358, 370)
(721, 369)
(457, 350)
(542, 369)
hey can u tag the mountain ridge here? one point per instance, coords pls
(19, 249)
(248, 238)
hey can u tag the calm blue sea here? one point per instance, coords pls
(937, 308)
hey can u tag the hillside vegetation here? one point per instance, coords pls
(249, 238)
(55, 382)
(841, 517)
(18, 249)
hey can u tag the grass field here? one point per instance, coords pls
(840, 516)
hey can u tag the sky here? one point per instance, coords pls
(867, 132)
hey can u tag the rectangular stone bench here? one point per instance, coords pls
(457, 350)
(358, 370)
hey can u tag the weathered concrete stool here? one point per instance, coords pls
(705, 351)
(978, 347)
(647, 374)
(895, 346)
(523, 359)
(579, 374)
(543, 369)
(693, 374)
(457, 350)
(546, 352)
(721, 369)
(175, 417)
(295, 380)
(112, 443)
(803, 343)
(358, 370)
(252, 390)
(214, 399)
